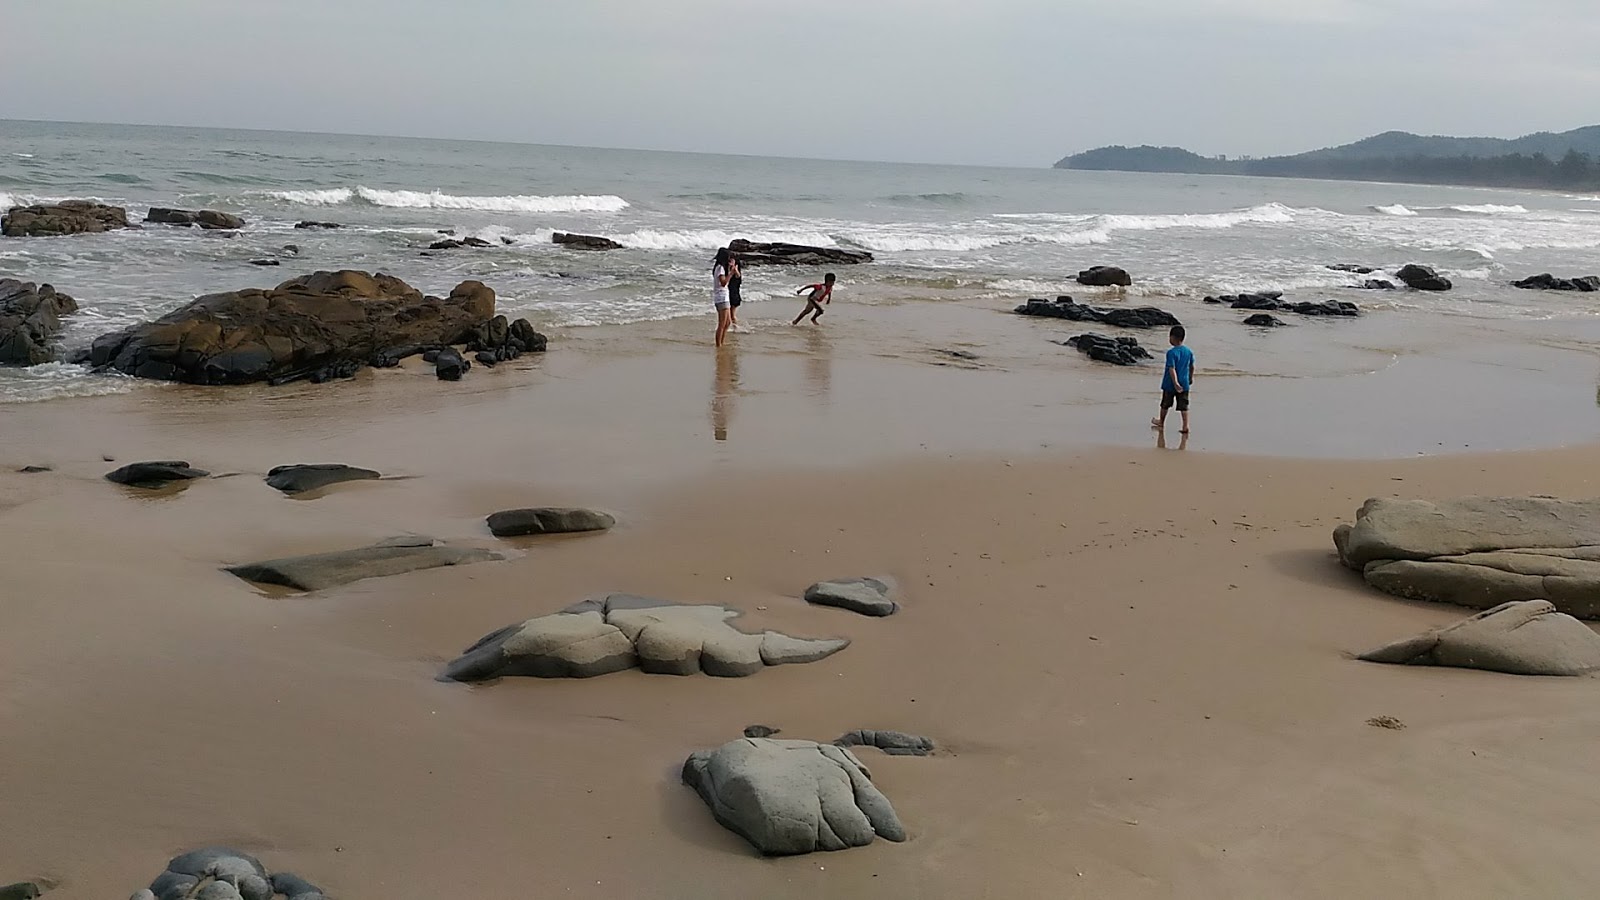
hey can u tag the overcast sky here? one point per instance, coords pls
(1010, 82)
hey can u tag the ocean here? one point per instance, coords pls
(940, 233)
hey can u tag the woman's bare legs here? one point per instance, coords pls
(724, 319)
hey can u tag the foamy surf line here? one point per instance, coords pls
(525, 203)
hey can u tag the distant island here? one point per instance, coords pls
(1569, 160)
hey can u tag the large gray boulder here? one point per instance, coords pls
(548, 520)
(789, 797)
(30, 321)
(66, 217)
(621, 631)
(1479, 552)
(1523, 638)
(867, 596)
(396, 556)
(221, 873)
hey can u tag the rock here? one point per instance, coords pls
(1523, 638)
(1104, 276)
(1548, 282)
(1423, 278)
(66, 217)
(760, 731)
(507, 240)
(1213, 300)
(310, 224)
(296, 888)
(779, 254)
(22, 890)
(208, 219)
(1120, 351)
(291, 249)
(532, 341)
(300, 478)
(548, 520)
(867, 596)
(34, 470)
(1353, 269)
(584, 241)
(265, 262)
(1479, 552)
(1122, 317)
(450, 365)
(965, 355)
(1264, 320)
(893, 743)
(220, 873)
(1272, 301)
(155, 474)
(30, 321)
(622, 631)
(789, 797)
(446, 244)
(487, 358)
(475, 242)
(1378, 284)
(319, 571)
(328, 323)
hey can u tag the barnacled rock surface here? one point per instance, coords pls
(867, 596)
(1120, 351)
(621, 631)
(395, 556)
(328, 324)
(298, 479)
(1105, 276)
(66, 217)
(893, 743)
(209, 219)
(155, 474)
(1479, 552)
(548, 520)
(30, 320)
(1520, 637)
(1548, 282)
(780, 254)
(222, 873)
(584, 241)
(1120, 316)
(789, 797)
(1423, 278)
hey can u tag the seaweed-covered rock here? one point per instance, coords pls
(317, 571)
(1122, 317)
(1119, 351)
(66, 217)
(1521, 637)
(30, 321)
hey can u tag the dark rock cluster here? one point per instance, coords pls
(1119, 351)
(1122, 317)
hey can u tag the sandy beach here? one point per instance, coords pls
(1135, 660)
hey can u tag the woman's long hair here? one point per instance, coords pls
(724, 258)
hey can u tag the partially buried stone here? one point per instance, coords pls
(1521, 638)
(155, 474)
(548, 520)
(1264, 320)
(450, 365)
(893, 743)
(760, 731)
(22, 890)
(298, 478)
(867, 596)
(318, 571)
(34, 470)
(1120, 351)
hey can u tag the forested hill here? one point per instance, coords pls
(1568, 160)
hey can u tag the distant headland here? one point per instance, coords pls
(1569, 160)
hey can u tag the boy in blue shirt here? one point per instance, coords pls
(1175, 380)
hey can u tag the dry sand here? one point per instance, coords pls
(1134, 660)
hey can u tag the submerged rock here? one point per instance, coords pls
(1122, 317)
(66, 217)
(312, 225)
(1353, 269)
(1264, 320)
(1479, 552)
(790, 797)
(779, 254)
(317, 326)
(1119, 351)
(1105, 276)
(584, 241)
(300, 478)
(893, 743)
(1377, 284)
(1423, 278)
(622, 631)
(867, 596)
(208, 219)
(155, 474)
(318, 571)
(222, 873)
(548, 520)
(1548, 282)
(30, 321)
(1521, 637)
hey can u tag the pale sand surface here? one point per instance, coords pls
(1134, 660)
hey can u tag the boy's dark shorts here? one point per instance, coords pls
(1168, 397)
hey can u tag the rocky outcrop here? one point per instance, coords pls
(298, 479)
(1272, 301)
(209, 219)
(1522, 638)
(1264, 320)
(313, 225)
(328, 324)
(1105, 276)
(548, 520)
(621, 631)
(222, 873)
(66, 217)
(1122, 317)
(1377, 284)
(30, 320)
(1353, 269)
(453, 244)
(152, 475)
(1119, 351)
(1423, 278)
(396, 556)
(1479, 552)
(892, 743)
(790, 797)
(867, 596)
(753, 254)
(583, 241)
(1548, 282)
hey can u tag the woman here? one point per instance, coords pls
(735, 278)
(721, 269)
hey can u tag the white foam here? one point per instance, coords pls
(1266, 214)
(889, 242)
(528, 203)
(1395, 210)
(328, 197)
(23, 155)
(711, 238)
(1488, 208)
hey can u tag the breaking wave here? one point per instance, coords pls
(514, 203)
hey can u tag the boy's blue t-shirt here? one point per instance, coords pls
(1180, 359)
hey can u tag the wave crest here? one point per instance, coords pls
(401, 199)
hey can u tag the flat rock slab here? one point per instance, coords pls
(548, 520)
(893, 743)
(319, 571)
(301, 478)
(1479, 552)
(152, 475)
(221, 873)
(790, 797)
(867, 596)
(1522, 638)
(622, 631)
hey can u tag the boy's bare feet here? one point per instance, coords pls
(1156, 423)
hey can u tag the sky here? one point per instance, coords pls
(989, 82)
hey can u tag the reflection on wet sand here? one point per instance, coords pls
(723, 387)
(819, 363)
(1161, 440)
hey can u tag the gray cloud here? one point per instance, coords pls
(1002, 81)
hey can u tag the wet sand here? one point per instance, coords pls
(1134, 659)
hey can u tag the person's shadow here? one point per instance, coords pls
(819, 363)
(724, 386)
